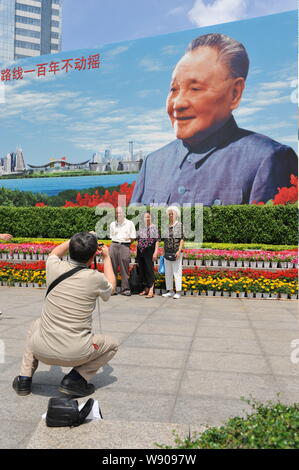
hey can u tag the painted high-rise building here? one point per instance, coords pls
(20, 163)
(29, 28)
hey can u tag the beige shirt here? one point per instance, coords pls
(122, 233)
(66, 322)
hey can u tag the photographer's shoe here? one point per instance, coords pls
(22, 385)
(76, 388)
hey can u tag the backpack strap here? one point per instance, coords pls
(63, 277)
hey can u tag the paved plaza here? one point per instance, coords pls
(182, 364)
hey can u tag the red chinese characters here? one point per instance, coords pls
(65, 65)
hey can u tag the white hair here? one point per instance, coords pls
(174, 209)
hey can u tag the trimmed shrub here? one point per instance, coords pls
(270, 426)
(227, 224)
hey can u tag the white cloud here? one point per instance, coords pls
(149, 64)
(176, 11)
(219, 11)
(118, 50)
(204, 13)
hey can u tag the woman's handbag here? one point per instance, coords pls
(161, 269)
(170, 256)
(134, 280)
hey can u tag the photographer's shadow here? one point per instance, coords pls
(46, 383)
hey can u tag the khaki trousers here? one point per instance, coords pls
(103, 352)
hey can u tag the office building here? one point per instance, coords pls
(29, 28)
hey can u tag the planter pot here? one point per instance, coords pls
(283, 296)
(296, 266)
(198, 262)
(246, 264)
(239, 264)
(273, 296)
(252, 264)
(210, 293)
(290, 265)
(258, 295)
(266, 264)
(24, 284)
(294, 297)
(215, 262)
(218, 293)
(250, 295)
(225, 294)
(283, 265)
(274, 264)
(232, 264)
(260, 264)
(233, 294)
(266, 295)
(133, 260)
(191, 262)
(208, 262)
(15, 255)
(35, 256)
(4, 283)
(223, 262)
(241, 295)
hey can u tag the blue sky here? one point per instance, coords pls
(78, 113)
(92, 23)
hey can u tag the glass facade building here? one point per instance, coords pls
(29, 28)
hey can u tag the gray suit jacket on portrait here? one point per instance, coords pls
(232, 166)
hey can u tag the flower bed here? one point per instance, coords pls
(239, 283)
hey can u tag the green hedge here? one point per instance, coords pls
(269, 426)
(227, 224)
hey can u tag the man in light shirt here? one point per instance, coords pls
(122, 233)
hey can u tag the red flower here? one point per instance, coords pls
(40, 204)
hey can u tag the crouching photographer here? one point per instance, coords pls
(63, 334)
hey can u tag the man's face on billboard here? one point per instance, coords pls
(202, 94)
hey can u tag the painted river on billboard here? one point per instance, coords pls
(55, 185)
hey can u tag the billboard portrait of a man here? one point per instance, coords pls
(212, 161)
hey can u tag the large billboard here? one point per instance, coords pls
(207, 115)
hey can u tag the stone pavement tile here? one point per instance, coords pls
(277, 348)
(16, 332)
(228, 385)
(204, 410)
(17, 432)
(104, 434)
(119, 326)
(282, 365)
(122, 316)
(130, 405)
(290, 388)
(270, 334)
(141, 379)
(224, 323)
(291, 325)
(9, 368)
(12, 320)
(233, 345)
(222, 332)
(229, 362)
(178, 343)
(223, 315)
(14, 347)
(146, 357)
(182, 328)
